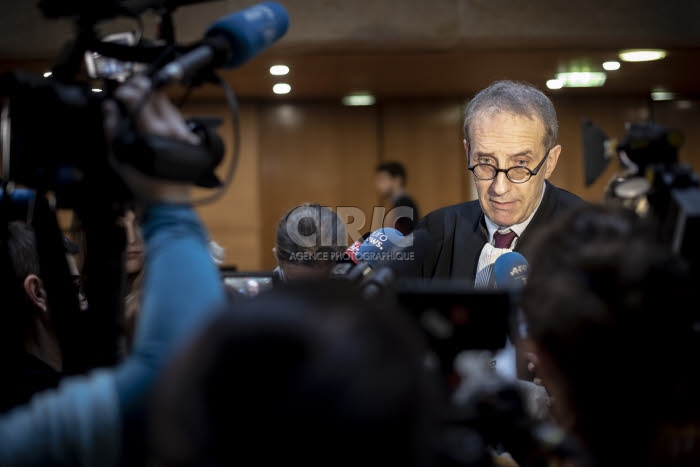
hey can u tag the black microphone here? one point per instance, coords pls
(229, 42)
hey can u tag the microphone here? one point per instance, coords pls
(510, 271)
(229, 42)
(381, 247)
(348, 263)
(349, 259)
(352, 250)
(379, 259)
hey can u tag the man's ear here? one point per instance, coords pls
(466, 149)
(274, 253)
(34, 288)
(552, 160)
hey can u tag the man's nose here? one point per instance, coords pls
(130, 235)
(500, 185)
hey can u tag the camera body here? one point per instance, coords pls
(653, 183)
(53, 137)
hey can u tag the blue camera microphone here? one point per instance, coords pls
(229, 42)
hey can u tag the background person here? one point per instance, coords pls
(390, 183)
(309, 241)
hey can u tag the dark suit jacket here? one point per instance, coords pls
(406, 225)
(449, 240)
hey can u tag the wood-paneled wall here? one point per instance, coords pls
(426, 137)
(234, 221)
(323, 152)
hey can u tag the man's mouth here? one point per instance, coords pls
(502, 204)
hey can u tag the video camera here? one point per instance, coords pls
(54, 144)
(653, 182)
(52, 125)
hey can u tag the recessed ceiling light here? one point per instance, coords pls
(359, 98)
(662, 95)
(279, 70)
(555, 83)
(96, 90)
(281, 88)
(641, 55)
(47, 74)
(582, 79)
(611, 66)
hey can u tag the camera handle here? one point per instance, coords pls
(174, 160)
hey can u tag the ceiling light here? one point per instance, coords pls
(359, 98)
(555, 83)
(281, 88)
(662, 95)
(47, 74)
(279, 70)
(582, 79)
(642, 55)
(96, 90)
(611, 66)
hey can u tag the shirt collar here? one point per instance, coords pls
(517, 228)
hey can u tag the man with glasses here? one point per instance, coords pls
(510, 139)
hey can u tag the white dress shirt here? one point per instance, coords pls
(489, 254)
(504, 360)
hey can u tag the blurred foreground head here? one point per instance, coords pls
(613, 315)
(307, 374)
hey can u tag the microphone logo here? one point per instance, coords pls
(518, 270)
(352, 250)
(377, 239)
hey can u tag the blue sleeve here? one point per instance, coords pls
(76, 424)
(182, 290)
(81, 423)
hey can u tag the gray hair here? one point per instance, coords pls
(22, 249)
(310, 233)
(517, 98)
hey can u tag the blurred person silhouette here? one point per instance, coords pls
(309, 241)
(390, 183)
(31, 347)
(31, 351)
(603, 307)
(133, 268)
(306, 374)
(97, 419)
(72, 251)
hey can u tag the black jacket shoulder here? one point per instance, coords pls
(450, 239)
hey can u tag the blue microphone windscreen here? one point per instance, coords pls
(510, 271)
(250, 31)
(380, 246)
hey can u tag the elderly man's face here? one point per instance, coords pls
(506, 140)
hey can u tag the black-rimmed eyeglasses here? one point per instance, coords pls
(516, 174)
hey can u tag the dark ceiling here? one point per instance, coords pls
(419, 49)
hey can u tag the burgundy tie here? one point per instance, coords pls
(504, 240)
